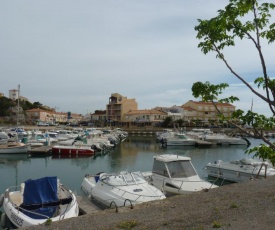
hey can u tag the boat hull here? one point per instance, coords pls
(20, 219)
(172, 186)
(14, 149)
(237, 173)
(181, 143)
(111, 195)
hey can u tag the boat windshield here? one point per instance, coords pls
(179, 169)
(124, 178)
(133, 178)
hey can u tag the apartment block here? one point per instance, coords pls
(206, 111)
(118, 106)
(143, 116)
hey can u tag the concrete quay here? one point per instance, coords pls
(247, 205)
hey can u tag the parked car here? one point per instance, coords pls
(42, 124)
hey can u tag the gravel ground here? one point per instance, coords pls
(249, 205)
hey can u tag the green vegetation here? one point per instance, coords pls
(216, 224)
(48, 222)
(127, 224)
(241, 20)
(7, 103)
(233, 205)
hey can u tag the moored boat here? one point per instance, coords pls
(239, 170)
(72, 150)
(176, 174)
(13, 147)
(120, 189)
(37, 201)
(4, 138)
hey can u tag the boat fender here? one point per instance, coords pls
(1, 200)
(3, 220)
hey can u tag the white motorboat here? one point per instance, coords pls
(222, 139)
(197, 132)
(40, 140)
(36, 202)
(175, 174)
(13, 147)
(3, 138)
(122, 189)
(20, 132)
(240, 170)
(179, 139)
(64, 135)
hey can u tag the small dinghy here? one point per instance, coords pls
(121, 189)
(36, 202)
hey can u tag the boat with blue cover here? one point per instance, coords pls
(37, 201)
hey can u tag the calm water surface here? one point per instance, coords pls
(134, 154)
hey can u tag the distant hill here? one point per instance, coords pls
(8, 109)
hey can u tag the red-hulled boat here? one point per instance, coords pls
(72, 150)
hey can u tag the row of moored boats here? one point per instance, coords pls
(76, 142)
(45, 199)
(169, 137)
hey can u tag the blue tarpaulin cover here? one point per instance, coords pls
(39, 191)
(40, 198)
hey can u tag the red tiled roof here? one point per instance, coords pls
(210, 103)
(36, 110)
(188, 108)
(145, 111)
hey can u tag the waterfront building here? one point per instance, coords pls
(98, 118)
(118, 106)
(205, 112)
(52, 116)
(175, 112)
(145, 117)
(36, 115)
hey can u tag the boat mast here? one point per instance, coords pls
(17, 117)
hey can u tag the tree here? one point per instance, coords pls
(37, 105)
(241, 19)
(5, 104)
(180, 122)
(168, 122)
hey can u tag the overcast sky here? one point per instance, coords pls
(74, 54)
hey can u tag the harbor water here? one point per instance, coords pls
(133, 154)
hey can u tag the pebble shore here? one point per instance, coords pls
(247, 205)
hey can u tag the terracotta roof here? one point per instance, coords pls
(210, 103)
(36, 110)
(146, 111)
(188, 108)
